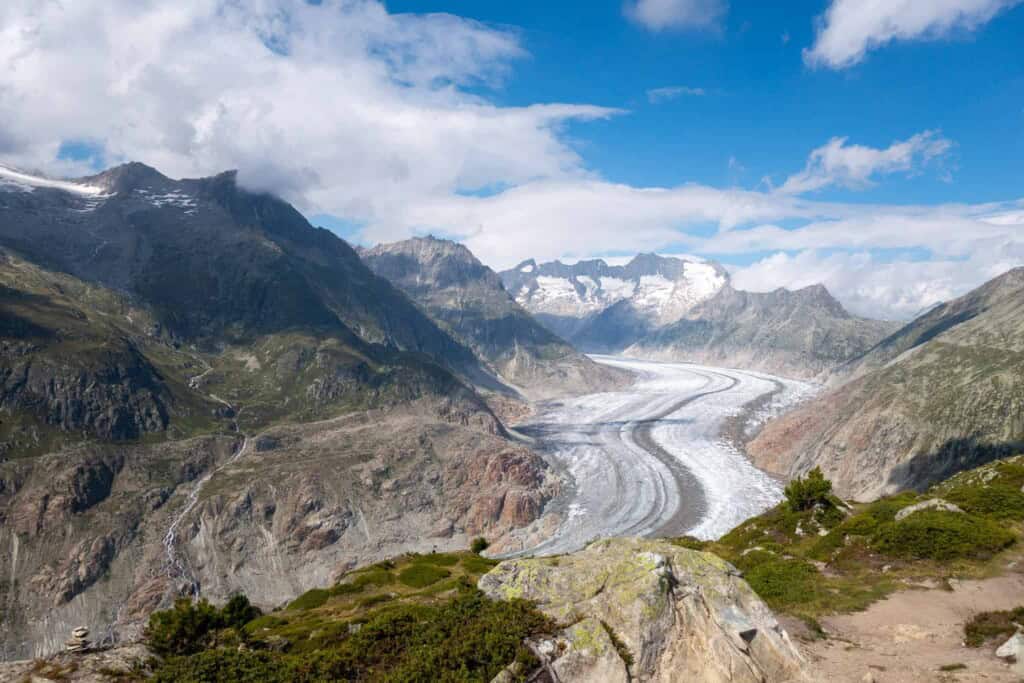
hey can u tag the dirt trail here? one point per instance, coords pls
(907, 637)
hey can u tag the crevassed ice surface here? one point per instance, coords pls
(651, 461)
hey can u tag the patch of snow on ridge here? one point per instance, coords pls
(174, 198)
(28, 183)
(704, 280)
(528, 268)
(616, 289)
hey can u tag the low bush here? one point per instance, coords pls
(479, 545)
(475, 564)
(422, 575)
(311, 599)
(989, 625)
(942, 536)
(782, 582)
(437, 559)
(191, 627)
(469, 638)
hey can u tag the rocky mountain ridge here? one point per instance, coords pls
(940, 395)
(468, 299)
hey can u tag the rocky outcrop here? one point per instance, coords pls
(468, 299)
(943, 394)
(651, 611)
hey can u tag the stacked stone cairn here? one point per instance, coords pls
(79, 641)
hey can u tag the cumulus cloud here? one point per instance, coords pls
(854, 166)
(897, 287)
(342, 107)
(671, 92)
(383, 120)
(662, 15)
(851, 28)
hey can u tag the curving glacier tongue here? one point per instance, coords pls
(652, 460)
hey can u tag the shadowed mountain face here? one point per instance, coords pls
(942, 394)
(681, 309)
(216, 263)
(200, 393)
(468, 299)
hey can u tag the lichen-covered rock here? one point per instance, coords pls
(652, 611)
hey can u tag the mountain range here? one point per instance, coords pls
(682, 309)
(201, 391)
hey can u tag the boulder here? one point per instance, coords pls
(649, 610)
(932, 504)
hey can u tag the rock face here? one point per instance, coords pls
(679, 309)
(201, 393)
(651, 611)
(943, 394)
(468, 299)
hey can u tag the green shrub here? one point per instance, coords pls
(807, 492)
(783, 583)
(184, 629)
(469, 638)
(939, 535)
(479, 545)
(988, 625)
(690, 543)
(998, 500)
(375, 600)
(311, 599)
(422, 575)
(238, 612)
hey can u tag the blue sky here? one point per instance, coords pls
(763, 106)
(873, 147)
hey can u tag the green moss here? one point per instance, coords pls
(624, 654)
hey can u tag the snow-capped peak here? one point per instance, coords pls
(28, 182)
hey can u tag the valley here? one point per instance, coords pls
(652, 460)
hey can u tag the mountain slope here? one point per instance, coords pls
(944, 393)
(467, 298)
(200, 392)
(800, 333)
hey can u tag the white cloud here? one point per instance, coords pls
(896, 288)
(671, 92)
(661, 15)
(850, 28)
(353, 110)
(854, 166)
